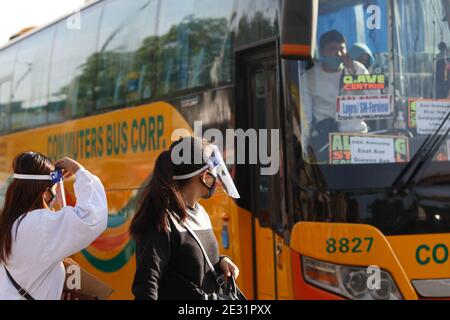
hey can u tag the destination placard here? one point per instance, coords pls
(364, 107)
(430, 114)
(364, 82)
(367, 149)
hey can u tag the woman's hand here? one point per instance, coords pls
(229, 268)
(69, 167)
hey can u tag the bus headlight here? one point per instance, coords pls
(351, 282)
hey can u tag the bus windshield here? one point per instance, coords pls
(379, 83)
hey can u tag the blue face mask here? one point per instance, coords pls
(333, 62)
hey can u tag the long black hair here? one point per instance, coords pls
(23, 196)
(162, 194)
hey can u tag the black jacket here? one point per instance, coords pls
(164, 257)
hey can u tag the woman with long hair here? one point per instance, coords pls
(173, 231)
(34, 239)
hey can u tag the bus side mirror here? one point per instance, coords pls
(299, 28)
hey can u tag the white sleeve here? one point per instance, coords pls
(74, 228)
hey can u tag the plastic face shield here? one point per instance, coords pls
(56, 177)
(218, 167)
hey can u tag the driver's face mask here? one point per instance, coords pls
(56, 177)
(333, 62)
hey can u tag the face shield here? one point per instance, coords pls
(217, 166)
(56, 177)
(212, 161)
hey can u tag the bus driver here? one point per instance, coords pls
(322, 84)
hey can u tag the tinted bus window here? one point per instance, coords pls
(7, 57)
(5, 99)
(60, 75)
(256, 20)
(126, 60)
(31, 71)
(420, 28)
(72, 79)
(194, 44)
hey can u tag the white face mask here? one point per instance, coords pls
(56, 177)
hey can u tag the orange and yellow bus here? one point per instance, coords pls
(110, 89)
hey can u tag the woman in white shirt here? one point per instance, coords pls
(34, 239)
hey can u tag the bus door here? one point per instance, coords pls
(258, 91)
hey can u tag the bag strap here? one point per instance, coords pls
(24, 293)
(218, 278)
(233, 290)
(201, 247)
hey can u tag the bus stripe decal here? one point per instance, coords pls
(113, 264)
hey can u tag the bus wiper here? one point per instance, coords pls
(422, 158)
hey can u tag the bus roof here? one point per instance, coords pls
(45, 26)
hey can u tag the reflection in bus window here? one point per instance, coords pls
(191, 52)
(419, 28)
(5, 98)
(368, 95)
(72, 86)
(126, 65)
(7, 58)
(29, 92)
(256, 20)
(443, 72)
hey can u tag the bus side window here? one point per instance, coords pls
(193, 41)
(29, 101)
(6, 73)
(72, 91)
(144, 85)
(5, 113)
(126, 46)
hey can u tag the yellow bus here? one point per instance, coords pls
(110, 90)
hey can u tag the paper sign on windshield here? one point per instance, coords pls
(429, 114)
(364, 107)
(367, 149)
